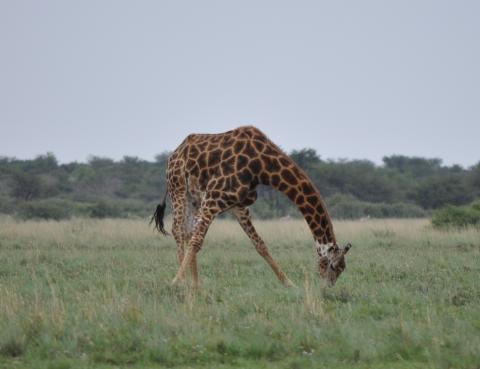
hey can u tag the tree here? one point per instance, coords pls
(132, 185)
(475, 178)
(99, 163)
(415, 166)
(306, 158)
(26, 186)
(360, 178)
(436, 192)
(46, 163)
(161, 159)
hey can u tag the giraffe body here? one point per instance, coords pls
(209, 174)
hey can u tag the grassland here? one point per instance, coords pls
(85, 294)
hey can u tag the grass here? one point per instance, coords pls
(96, 294)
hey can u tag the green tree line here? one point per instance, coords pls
(401, 187)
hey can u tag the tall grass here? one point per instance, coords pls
(83, 293)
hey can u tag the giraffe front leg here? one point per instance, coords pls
(243, 216)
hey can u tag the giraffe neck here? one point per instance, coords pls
(315, 212)
(298, 187)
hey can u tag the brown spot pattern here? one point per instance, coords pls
(226, 168)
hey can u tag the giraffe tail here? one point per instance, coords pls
(159, 215)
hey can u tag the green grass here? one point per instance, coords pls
(96, 294)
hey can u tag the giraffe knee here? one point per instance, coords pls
(196, 249)
(196, 245)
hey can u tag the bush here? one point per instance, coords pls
(349, 207)
(435, 193)
(476, 205)
(457, 216)
(7, 205)
(103, 209)
(55, 209)
(126, 208)
(26, 186)
(395, 210)
(345, 207)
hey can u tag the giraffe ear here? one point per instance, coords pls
(347, 247)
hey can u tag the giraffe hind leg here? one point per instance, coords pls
(178, 227)
(194, 245)
(243, 216)
(190, 220)
(206, 215)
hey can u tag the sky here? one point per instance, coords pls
(351, 79)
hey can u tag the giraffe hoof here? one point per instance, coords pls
(288, 283)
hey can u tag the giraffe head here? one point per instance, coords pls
(331, 262)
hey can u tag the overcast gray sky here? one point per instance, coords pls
(352, 79)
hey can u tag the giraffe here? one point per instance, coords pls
(209, 174)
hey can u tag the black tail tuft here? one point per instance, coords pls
(158, 218)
